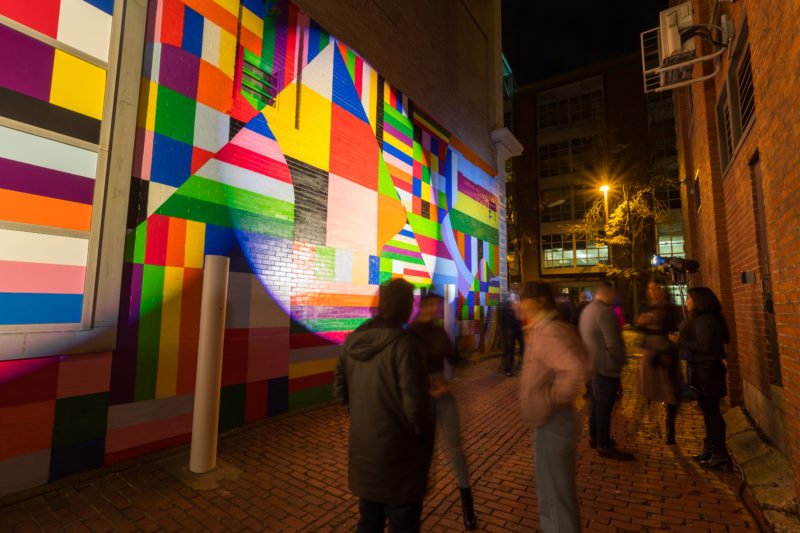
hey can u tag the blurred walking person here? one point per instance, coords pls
(660, 376)
(599, 329)
(381, 378)
(703, 336)
(511, 328)
(439, 349)
(556, 365)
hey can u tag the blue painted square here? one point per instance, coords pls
(416, 187)
(172, 161)
(277, 396)
(36, 308)
(219, 240)
(374, 270)
(193, 32)
(103, 5)
(441, 213)
(344, 92)
(76, 457)
(256, 6)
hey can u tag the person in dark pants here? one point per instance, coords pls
(703, 336)
(600, 332)
(439, 349)
(511, 328)
(381, 378)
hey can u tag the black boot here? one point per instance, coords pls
(670, 426)
(717, 462)
(705, 455)
(470, 522)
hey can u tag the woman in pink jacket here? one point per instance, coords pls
(555, 367)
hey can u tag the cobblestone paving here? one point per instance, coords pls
(293, 477)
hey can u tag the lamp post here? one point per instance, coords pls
(604, 188)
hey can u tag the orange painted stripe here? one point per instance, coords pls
(251, 41)
(342, 300)
(397, 173)
(472, 157)
(34, 209)
(216, 13)
(190, 330)
(176, 242)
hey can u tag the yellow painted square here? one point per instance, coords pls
(425, 192)
(311, 141)
(434, 163)
(227, 53)
(195, 243)
(78, 85)
(148, 97)
(251, 21)
(231, 6)
(167, 376)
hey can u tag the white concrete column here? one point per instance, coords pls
(205, 422)
(450, 309)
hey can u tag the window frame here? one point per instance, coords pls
(97, 329)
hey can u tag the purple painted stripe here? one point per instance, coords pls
(402, 251)
(476, 192)
(22, 177)
(311, 312)
(26, 65)
(400, 136)
(136, 293)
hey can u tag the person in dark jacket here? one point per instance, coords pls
(599, 329)
(511, 328)
(703, 336)
(381, 378)
(439, 349)
(660, 376)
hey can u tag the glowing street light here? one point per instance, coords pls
(605, 188)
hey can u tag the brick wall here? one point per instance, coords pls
(724, 232)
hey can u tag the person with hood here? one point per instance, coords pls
(556, 365)
(439, 349)
(381, 378)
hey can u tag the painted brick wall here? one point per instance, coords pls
(725, 237)
(262, 137)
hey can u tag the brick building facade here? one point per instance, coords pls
(584, 129)
(315, 143)
(739, 150)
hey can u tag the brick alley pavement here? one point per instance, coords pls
(290, 475)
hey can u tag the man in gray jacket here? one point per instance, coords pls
(381, 378)
(600, 332)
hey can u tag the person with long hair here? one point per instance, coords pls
(703, 336)
(555, 366)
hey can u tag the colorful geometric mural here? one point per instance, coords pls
(264, 138)
(261, 137)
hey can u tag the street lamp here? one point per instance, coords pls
(604, 188)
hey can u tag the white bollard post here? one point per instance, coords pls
(205, 421)
(450, 304)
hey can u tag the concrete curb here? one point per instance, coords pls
(765, 470)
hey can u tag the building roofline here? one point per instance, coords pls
(585, 72)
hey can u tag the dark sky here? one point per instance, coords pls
(542, 38)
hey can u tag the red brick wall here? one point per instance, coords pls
(724, 232)
(775, 58)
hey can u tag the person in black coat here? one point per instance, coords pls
(702, 338)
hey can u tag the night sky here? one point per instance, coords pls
(542, 38)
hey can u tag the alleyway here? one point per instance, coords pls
(291, 476)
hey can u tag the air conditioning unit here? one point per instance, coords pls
(669, 51)
(672, 21)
